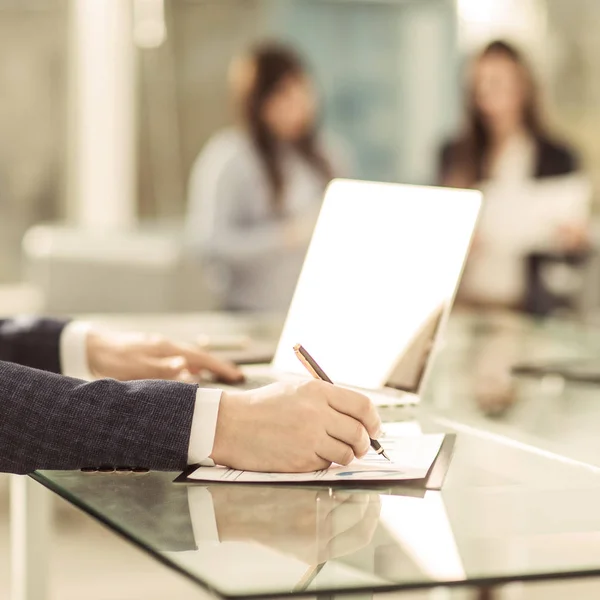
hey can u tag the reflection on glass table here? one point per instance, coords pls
(472, 384)
(505, 513)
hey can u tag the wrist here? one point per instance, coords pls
(224, 432)
(95, 347)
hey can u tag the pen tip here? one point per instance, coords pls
(386, 456)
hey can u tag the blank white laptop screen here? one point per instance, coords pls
(384, 260)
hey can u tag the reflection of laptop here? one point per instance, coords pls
(377, 285)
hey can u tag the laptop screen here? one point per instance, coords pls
(381, 271)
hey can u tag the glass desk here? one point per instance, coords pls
(519, 502)
(472, 387)
(505, 513)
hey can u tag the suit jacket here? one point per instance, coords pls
(49, 421)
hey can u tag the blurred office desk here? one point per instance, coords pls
(472, 387)
(520, 501)
(145, 268)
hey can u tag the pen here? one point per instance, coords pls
(315, 370)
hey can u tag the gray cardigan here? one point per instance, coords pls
(231, 227)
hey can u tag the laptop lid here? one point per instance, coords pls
(378, 280)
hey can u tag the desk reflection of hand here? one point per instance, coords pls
(311, 525)
(494, 387)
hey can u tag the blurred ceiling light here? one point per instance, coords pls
(521, 21)
(149, 27)
(477, 11)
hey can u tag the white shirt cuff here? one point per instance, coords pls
(204, 426)
(73, 351)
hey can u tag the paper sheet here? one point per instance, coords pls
(411, 458)
(519, 218)
(522, 217)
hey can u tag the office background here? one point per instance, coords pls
(390, 73)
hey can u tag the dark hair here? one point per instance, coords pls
(469, 152)
(272, 63)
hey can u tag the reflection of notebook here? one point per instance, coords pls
(377, 285)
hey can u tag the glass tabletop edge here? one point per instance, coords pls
(50, 485)
(476, 582)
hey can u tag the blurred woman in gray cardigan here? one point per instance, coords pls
(255, 190)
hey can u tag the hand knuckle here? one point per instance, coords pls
(168, 346)
(311, 416)
(347, 456)
(366, 407)
(363, 449)
(312, 387)
(284, 388)
(365, 445)
(358, 433)
(158, 341)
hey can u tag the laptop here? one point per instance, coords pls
(376, 287)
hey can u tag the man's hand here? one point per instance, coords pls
(129, 356)
(312, 525)
(293, 427)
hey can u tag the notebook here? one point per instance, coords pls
(422, 459)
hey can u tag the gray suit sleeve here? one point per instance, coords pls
(54, 422)
(32, 342)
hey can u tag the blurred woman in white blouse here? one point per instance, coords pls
(536, 197)
(256, 188)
